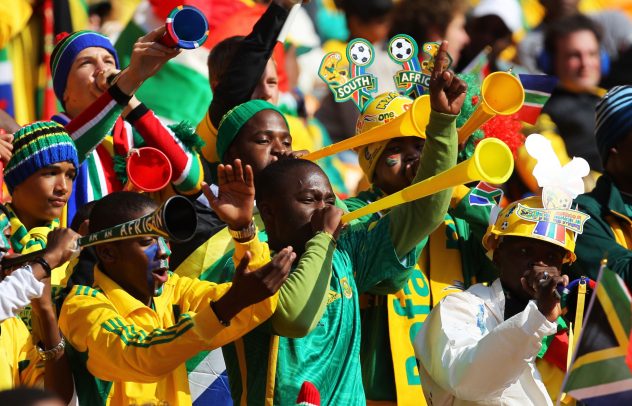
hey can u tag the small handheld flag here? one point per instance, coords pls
(485, 194)
(538, 89)
(598, 373)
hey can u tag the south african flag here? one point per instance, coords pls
(537, 90)
(485, 194)
(599, 374)
(553, 231)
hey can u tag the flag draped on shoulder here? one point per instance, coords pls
(599, 374)
(537, 89)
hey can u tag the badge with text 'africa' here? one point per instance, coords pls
(414, 78)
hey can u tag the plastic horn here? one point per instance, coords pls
(187, 28)
(148, 170)
(412, 122)
(492, 162)
(175, 220)
(501, 93)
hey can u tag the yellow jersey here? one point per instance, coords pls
(124, 352)
(20, 364)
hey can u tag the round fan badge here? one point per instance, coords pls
(360, 52)
(410, 81)
(401, 48)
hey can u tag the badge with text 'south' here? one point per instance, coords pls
(352, 83)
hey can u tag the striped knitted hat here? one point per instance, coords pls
(36, 146)
(613, 118)
(67, 50)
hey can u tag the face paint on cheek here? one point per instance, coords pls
(154, 263)
(392, 160)
(164, 246)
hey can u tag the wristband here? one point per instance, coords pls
(136, 113)
(222, 322)
(46, 355)
(118, 95)
(44, 264)
(246, 233)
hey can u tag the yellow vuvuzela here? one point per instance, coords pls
(412, 122)
(492, 162)
(501, 94)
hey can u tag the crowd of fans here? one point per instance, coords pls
(276, 298)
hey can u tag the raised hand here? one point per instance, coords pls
(327, 219)
(148, 56)
(447, 92)
(235, 201)
(6, 147)
(540, 282)
(250, 287)
(61, 246)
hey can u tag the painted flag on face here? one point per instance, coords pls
(538, 89)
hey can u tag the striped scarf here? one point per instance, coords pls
(24, 241)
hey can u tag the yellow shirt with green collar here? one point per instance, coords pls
(123, 352)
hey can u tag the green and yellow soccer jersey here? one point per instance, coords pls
(329, 356)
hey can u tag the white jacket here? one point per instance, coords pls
(470, 355)
(17, 290)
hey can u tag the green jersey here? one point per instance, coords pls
(329, 356)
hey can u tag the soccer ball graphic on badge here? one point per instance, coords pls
(360, 52)
(401, 48)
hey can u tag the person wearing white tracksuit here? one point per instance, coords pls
(478, 347)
